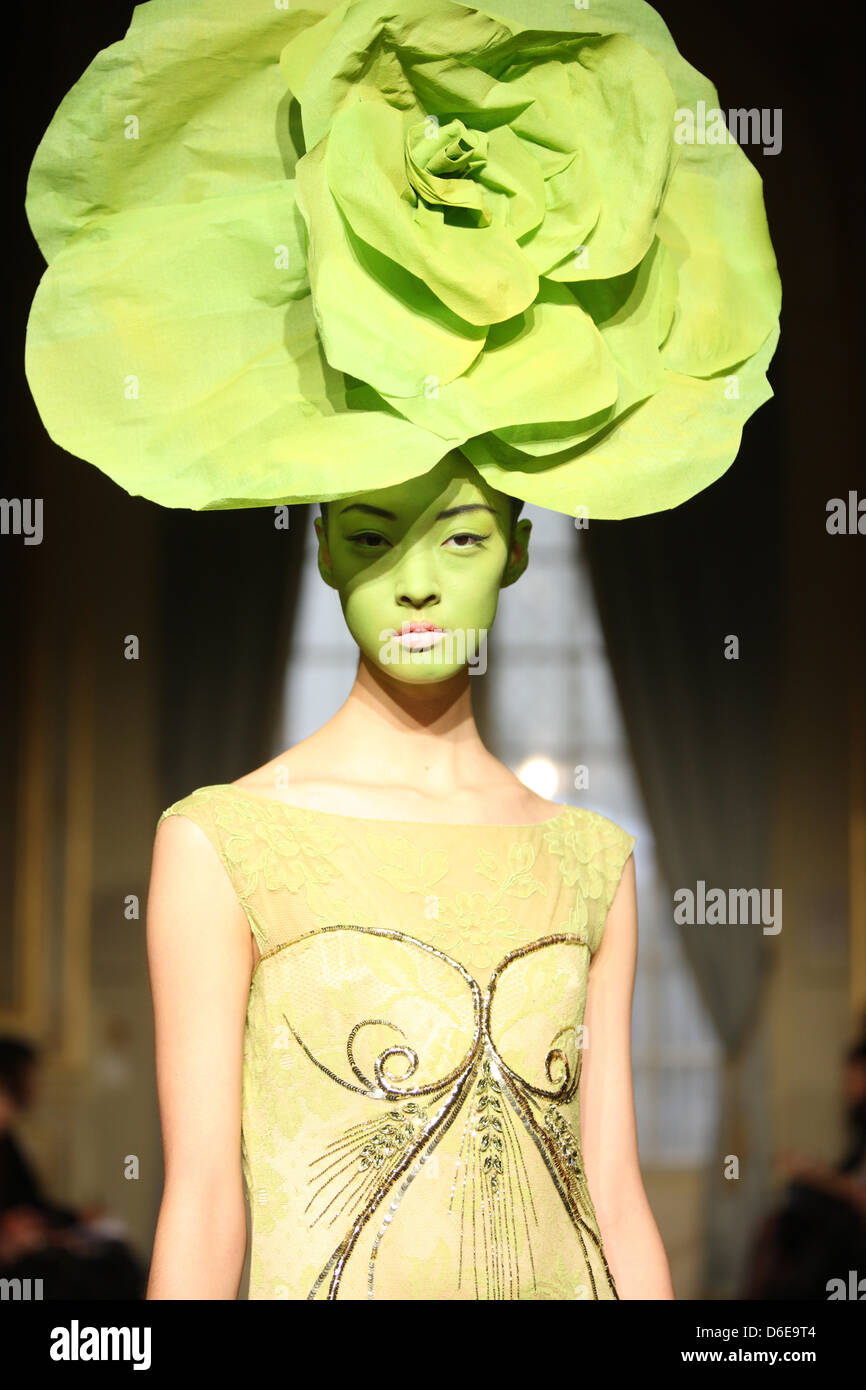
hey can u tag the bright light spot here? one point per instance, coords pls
(540, 775)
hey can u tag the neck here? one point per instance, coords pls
(425, 732)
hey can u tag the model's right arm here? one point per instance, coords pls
(199, 951)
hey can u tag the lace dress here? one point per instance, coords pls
(412, 1050)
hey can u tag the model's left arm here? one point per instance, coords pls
(629, 1234)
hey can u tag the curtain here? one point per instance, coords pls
(229, 583)
(672, 590)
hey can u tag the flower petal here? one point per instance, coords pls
(715, 227)
(164, 346)
(625, 107)
(572, 203)
(366, 303)
(367, 50)
(513, 177)
(696, 425)
(189, 105)
(549, 362)
(173, 340)
(633, 313)
(480, 273)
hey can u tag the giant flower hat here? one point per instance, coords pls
(297, 251)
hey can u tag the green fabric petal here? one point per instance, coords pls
(366, 303)
(498, 180)
(201, 80)
(168, 348)
(305, 48)
(633, 315)
(371, 51)
(478, 272)
(658, 455)
(548, 120)
(515, 183)
(626, 108)
(549, 360)
(445, 89)
(573, 202)
(640, 21)
(263, 286)
(437, 159)
(714, 225)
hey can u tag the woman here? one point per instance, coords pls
(310, 253)
(394, 817)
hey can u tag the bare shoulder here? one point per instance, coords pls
(522, 804)
(617, 952)
(518, 802)
(193, 911)
(178, 836)
(185, 862)
(188, 872)
(290, 768)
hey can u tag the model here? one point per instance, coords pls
(418, 265)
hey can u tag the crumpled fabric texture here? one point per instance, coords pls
(296, 253)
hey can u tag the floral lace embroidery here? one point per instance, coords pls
(494, 1202)
(589, 850)
(496, 896)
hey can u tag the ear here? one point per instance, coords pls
(518, 555)
(324, 555)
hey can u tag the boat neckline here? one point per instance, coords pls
(245, 793)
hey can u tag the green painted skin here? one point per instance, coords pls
(414, 568)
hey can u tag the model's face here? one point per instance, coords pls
(433, 550)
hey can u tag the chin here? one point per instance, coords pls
(422, 673)
(418, 667)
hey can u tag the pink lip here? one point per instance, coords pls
(419, 627)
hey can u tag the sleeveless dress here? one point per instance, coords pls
(412, 1049)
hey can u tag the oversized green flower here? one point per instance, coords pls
(294, 253)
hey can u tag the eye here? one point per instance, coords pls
(469, 536)
(363, 536)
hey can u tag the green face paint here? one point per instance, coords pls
(395, 559)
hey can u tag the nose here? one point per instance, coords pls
(418, 597)
(415, 585)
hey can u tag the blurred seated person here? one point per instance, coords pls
(75, 1253)
(818, 1234)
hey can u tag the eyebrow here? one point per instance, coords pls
(441, 516)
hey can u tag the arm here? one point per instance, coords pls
(200, 959)
(628, 1230)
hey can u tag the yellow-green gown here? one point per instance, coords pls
(412, 1049)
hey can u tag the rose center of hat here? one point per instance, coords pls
(443, 164)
